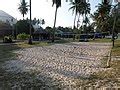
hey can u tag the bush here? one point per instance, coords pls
(22, 36)
(7, 39)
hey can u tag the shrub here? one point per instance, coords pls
(7, 39)
(22, 36)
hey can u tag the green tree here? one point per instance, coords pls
(76, 8)
(80, 8)
(50, 31)
(85, 12)
(37, 21)
(23, 8)
(101, 17)
(22, 26)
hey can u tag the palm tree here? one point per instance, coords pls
(23, 8)
(102, 14)
(85, 10)
(76, 8)
(58, 4)
(101, 17)
(104, 9)
(80, 7)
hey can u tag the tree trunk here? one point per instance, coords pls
(74, 26)
(53, 38)
(23, 16)
(74, 21)
(30, 38)
(113, 39)
(83, 21)
(85, 24)
(78, 21)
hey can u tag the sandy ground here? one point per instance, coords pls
(60, 63)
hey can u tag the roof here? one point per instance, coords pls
(5, 17)
(59, 32)
(39, 30)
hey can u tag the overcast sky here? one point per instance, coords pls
(43, 9)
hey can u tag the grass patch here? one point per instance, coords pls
(62, 41)
(104, 40)
(111, 73)
(41, 43)
(26, 45)
(116, 48)
(6, 52)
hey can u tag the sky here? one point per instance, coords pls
(42, 9)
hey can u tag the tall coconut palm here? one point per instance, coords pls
(104, 9)
(85, 9)
(84, 12)
(23, 8)
(76, 8)
(58, 4)
(80, 7)
(101, 16)
(104, 13)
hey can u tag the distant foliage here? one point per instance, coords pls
(22, 36)
(23, 26)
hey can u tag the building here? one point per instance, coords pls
(6, 24)
(5, 29)
(6, 18)
(40, 34)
